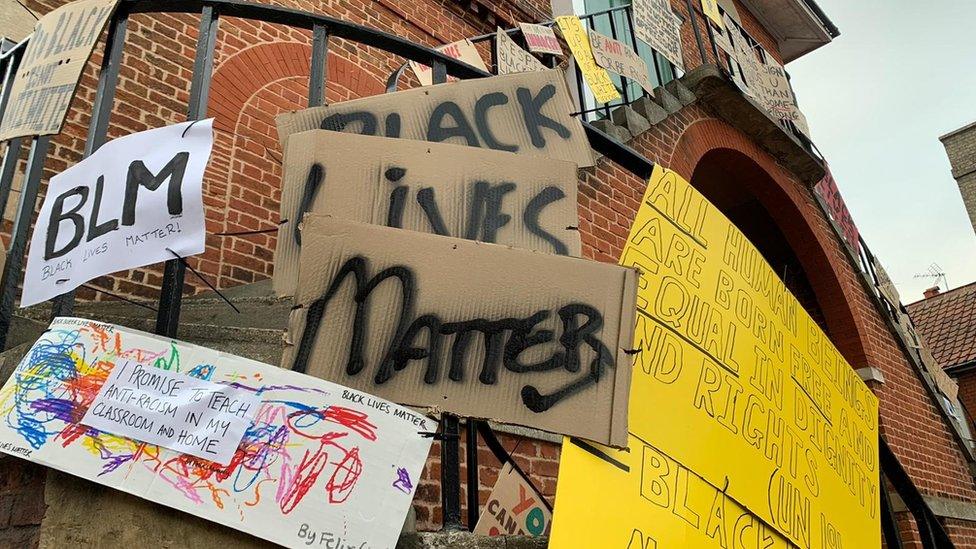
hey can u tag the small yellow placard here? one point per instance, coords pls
(747, 427)
(710, 9)
(579, 44)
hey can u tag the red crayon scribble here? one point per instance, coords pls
(339, 487)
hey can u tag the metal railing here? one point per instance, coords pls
(323, 28)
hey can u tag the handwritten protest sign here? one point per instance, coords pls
(733, 361)
(134, 202)
(527, 113)
(173, 410)
(318, 465)
(620, 58)
(514, 508)
(540, 39)
(478, 194)
(710, 9)
(462, 50)
(475, 329)
(748, 64)
(659, 27)
(579, 44)
(511, 58)
(836, 208)
(51, 67)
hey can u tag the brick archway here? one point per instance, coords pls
(712, 145)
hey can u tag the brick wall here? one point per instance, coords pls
(960, 146)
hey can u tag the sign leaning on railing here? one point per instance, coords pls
(596, 77)
(311, 462)
(48, 73)
(620, 58)
(767, 434)
(511, 58)
(526, 113)
(136, 201)
(659, 28)
(540, 39)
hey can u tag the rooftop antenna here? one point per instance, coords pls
(935, 272)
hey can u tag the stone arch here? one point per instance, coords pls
(708, 151)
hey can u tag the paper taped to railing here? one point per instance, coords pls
(511, 58)
(173, 410)
(51, 66)
(478, 194)
(475, 329)
(540, 39)
(596, 77)
(136, 201)
(316, 463)
(462, 50)
(525, 113)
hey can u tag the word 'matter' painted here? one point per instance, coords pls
(526, 113)
(471, 328)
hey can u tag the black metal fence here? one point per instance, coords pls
(323, 28)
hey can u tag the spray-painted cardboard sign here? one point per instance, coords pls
(514, 508)
(475, 329)
(525, 113)
(450, 190)
(319, 465)
(134, 202)
(48, 74)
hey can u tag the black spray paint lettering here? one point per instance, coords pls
(449, 120)
(485, 210)
(504, 339)
(138, 176)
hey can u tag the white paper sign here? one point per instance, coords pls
(125, 206)
(190, 415)
(319, 465)
(659, 27)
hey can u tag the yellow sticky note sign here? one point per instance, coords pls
(597, 78)
(710, 9)
(745, 422)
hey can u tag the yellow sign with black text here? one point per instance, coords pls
(597, 78)
(747, 427)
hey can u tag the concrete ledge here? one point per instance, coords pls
(726, 100)
(942, 507)
(467, 540)
(871, 373)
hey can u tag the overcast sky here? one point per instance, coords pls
(901, 74)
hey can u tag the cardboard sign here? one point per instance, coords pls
(836, 208)
(710, 9)
(133, 202)
(474, 329)
(733, 362)
(527, 113)
(514, 508)
(511, 58)
(747, 61)
(319, 465)
(775, 93)
(620, 58)
(462, 50)
(659, 27)
(596, 77)
(478, 194)
(540, 39)
(190, 415)
(51, 67)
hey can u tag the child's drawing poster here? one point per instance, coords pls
(319, 464)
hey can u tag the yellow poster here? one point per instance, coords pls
(579, 44)
(747, 427)
(710, 9)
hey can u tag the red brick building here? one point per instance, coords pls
(753, 167)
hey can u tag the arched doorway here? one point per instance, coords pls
(759, 206)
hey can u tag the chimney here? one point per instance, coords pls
(931, 292)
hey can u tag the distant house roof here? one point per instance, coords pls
(947, 324)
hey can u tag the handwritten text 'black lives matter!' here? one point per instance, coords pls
(190, 415)
(136, 201)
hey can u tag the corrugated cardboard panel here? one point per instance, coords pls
(527, 113)
(557, 328)
(458, 191)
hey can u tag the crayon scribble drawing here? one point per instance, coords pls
(305, 452)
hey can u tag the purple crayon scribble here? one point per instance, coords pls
(402, 482)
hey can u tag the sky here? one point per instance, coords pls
(901, 74)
